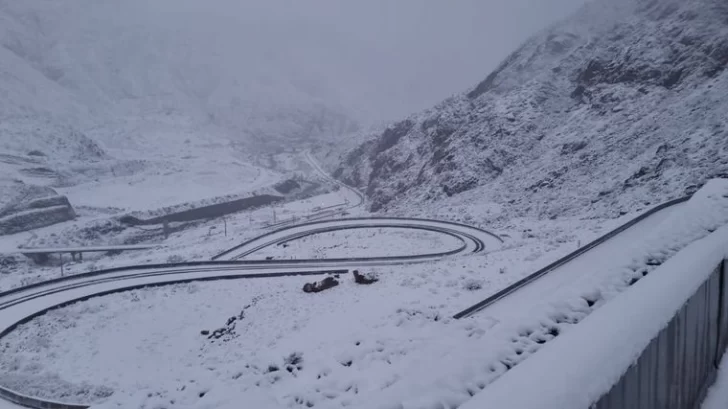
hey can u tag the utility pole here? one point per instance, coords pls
(224, 220)
(61, 254)
(274, 215)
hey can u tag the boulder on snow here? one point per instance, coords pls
(8, 263)
(365, 279)
(317, 287)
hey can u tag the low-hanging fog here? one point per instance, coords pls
(376, 59)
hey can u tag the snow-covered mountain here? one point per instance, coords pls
(89, 63)
(106, 94)
(621, 105)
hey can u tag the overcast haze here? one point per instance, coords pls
(425, 50)
(257, 67)
(394, 57)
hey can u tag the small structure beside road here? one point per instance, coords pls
(41, 255)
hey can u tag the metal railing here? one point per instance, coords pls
(675, 370)
(560, 262)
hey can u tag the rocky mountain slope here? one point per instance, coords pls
(620, 106)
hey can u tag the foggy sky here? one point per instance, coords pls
(372, 59)
(381, 59)
(416, 52)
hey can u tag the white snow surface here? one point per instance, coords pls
(411, 354)
(189, 179)
(156, 333)
(422, 292)
(577, 368)
(717, 397)
(508, 342)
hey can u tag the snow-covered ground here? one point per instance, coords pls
(410, 352)
(399, 322)
(194, 241)
(198, 241)
(583, 365)
(410, 307)
(717, 397)
(194, 179)
(374, 242)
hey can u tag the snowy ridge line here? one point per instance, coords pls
(452, 233)
(545, 270)
(421, 223)
(38, 403)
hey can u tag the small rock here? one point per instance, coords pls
(205, 332)
(472, 284)
(8, 263)
(322, 285)
(364, 279)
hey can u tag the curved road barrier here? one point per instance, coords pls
(564, 260)
(473, 238)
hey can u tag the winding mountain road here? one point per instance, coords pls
(23, 304)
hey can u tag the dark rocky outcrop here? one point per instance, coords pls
(365, 279)
(227, 332)
(287, 186)
(32, 207)
(626, 96)
(318, 286)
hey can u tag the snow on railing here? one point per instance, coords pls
(654, 346)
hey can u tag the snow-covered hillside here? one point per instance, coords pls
(620, 105)
(107, 104)
(91, 63)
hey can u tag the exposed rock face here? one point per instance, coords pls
(366, 279)
(624, 103)
(31, 207)
(318, 286)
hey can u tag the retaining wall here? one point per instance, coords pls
(681, 362)
(206, 212)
